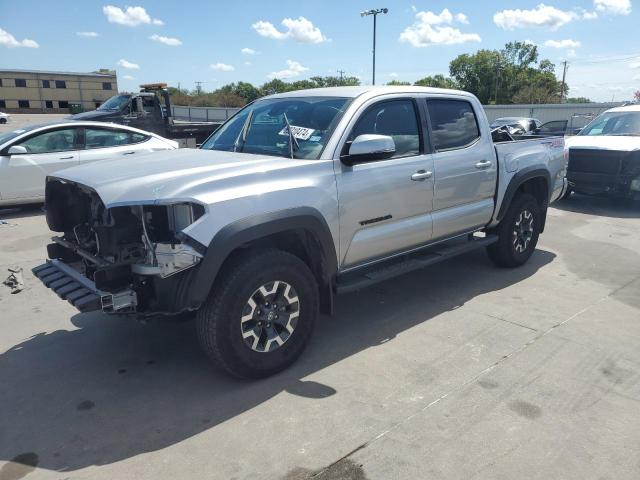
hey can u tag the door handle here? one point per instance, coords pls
(421, 175)
(128, 153)
(483, 164)
(66, 158)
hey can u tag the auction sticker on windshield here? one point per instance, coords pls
(301, 133)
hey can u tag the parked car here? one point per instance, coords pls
(523, 126)
(299, 197)
(4, 117)
(604, 158)
(28, 155)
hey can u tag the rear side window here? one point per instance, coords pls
(453, 124)
(395, 118)
(104, 138)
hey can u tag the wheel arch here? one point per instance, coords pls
(301, 231)
(533, 180)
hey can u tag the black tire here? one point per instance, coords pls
(220, 323)
(511, 250)
(3, 120)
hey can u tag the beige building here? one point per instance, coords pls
(30, 91)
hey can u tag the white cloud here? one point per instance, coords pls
(248, 64)
(222, 67)
(300, 29)
(529, 42)
(393, 75)
(8, 40)
(589, 15)
(88, 34)
(248, 51)
(636, 77)
(293, 69)
(562, 43)
(130, 17)
(541, 16)
(431, 29)
(128, 77)
(614, 7)
(171, 41)
(462, 18)
(127, 64)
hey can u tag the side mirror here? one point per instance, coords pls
(17, 150)
(368, 148)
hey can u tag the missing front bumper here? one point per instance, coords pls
(79, 291)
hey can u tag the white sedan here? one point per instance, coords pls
(29, 154)
(4, 117)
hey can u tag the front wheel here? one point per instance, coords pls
(3, 120)
(260, 314)
(517, 233)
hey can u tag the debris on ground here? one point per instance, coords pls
(4, 223)
(15, 280)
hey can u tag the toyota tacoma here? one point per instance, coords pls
(297, 198)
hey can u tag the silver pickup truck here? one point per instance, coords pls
(299, 197)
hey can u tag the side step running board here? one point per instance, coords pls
(365, 277)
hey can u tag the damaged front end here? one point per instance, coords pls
(124, 259)
(604, 172)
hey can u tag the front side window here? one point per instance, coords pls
(555, 126)
(453, 123)
(103, 138)
(55, 141)
(261, 127)
(61, 84)
(395, 118)
(621, 124)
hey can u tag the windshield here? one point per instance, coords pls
(614, 123)
(115, 103)
(261, 127)
(6, 136)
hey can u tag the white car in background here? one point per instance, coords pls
(4, 117)
(28, 155)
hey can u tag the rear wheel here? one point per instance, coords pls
(260, 315)
(3, 120)
(517, 233)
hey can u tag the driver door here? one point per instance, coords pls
(385, 205)
(23, 176)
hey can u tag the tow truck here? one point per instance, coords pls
(150, 110)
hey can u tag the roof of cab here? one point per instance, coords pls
(353, 92)
(626, 108)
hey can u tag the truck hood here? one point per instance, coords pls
(178, 175)
(604, 142)
(93, 115)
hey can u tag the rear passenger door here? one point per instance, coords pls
(110, 143)
(465, 167)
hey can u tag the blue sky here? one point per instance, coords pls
(189, 41)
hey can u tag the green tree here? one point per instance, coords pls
(437, 81)
(398, 83)
(579, 100)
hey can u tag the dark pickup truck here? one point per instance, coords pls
(145, 111)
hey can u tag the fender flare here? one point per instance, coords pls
(253, 228)
(517, 180)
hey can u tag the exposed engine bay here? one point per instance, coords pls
(134, 255)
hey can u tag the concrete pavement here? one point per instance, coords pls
(458, 371)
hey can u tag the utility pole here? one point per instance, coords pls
(375, 13)
(564, 78)
(497, 77)
(341, 72)
(198, 87)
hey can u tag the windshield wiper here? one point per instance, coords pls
(292, 138)
(243, 133)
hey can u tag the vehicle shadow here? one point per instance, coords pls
(601, 206)
(21, 211)
(112, 388)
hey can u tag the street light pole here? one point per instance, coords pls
(375, 13)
